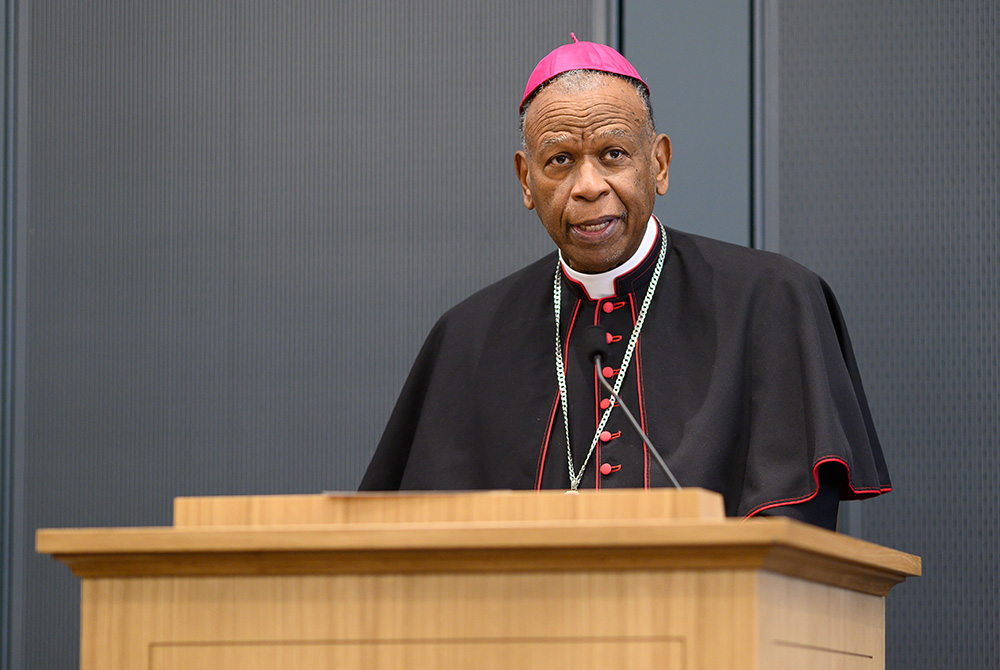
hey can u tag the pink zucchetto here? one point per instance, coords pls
(578, 56)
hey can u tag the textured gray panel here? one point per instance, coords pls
(242, 219)
(890, 164)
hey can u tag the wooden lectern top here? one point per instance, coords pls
(408, 507)
(473, 532)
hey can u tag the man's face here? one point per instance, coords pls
(592, 169)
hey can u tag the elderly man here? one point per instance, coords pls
(736, 362)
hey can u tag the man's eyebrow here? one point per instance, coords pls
(615, 132)
(555, 139)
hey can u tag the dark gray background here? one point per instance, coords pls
(230, 224)
(889, 186)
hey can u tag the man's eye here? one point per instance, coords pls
(615, 154)
(559, 159)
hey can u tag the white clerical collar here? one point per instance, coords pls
(602, 284)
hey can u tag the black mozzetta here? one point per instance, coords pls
(743, 377)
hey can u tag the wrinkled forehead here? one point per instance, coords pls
(597, 106)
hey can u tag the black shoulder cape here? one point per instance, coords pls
(743, 377)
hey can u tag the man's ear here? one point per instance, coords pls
(521, 165)
(661, 161)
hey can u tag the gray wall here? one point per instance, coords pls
(237, 222)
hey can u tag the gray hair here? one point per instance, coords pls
(584, 80)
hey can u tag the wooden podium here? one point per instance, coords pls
(522, 580)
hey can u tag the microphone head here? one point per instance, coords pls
(594, 343)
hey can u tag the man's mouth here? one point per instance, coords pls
(595, 229)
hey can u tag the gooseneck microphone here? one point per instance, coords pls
(595, 344)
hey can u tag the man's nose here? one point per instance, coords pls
(590, 183)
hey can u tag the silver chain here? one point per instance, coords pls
(575, 477)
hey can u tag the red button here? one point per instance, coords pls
(606, 437)
(608, 372)
(606, 403)
(608, 308)
(606, 469)
(610, 337)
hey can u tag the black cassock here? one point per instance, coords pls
(743, 377)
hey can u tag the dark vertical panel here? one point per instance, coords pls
(890, 187)
(12, 544)
(7, 144)
(242, 217)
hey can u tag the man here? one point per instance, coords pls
(736, 362)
